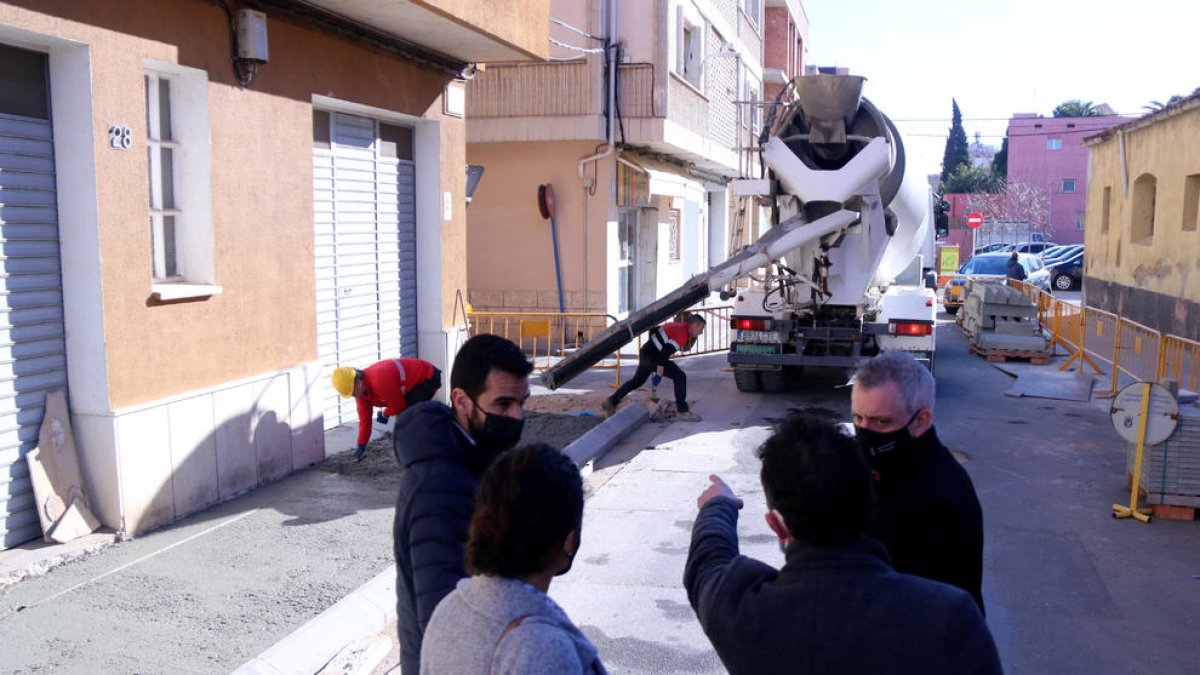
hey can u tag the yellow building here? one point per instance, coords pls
(204, 206)
(1142, 239)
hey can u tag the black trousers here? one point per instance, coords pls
(648, 360)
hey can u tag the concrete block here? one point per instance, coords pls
(1024, 343)
(516, 301)
(601, 438)
(1014, 328)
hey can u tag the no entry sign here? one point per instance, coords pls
(974, 219)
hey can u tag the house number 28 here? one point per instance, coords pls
(120, 136)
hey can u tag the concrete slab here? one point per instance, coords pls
(364, 612)
(1048, 382)
(38, 557)
(607, 434)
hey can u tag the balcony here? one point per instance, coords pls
(454, 30)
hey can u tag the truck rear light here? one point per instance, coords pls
(910, 328)
(751, 324)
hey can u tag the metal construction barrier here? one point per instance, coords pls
(1093, 337)
(548, 336)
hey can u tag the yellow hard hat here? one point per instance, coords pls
(343, 380)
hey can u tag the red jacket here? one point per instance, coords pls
(384, 386)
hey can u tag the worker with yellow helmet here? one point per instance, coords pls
(391, 384)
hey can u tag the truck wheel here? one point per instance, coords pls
(952, 310)
(774, 381)
(747, 380)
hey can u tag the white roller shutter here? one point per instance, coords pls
(33, 358)
(364, 206)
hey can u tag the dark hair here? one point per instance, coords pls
(815, 476)
(529, 500)
(479, 356)
(696, 318)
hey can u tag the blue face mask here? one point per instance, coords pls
(877, 443)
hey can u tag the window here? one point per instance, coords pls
(1054, 144)
(1105, 209)
(1144, 195)
(753, 11)
(674, 245)
(1191, 202)
(690, 49)
(1068, 185)
(179, 166)
(1080, 217)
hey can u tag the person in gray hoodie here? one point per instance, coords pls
(525, 531)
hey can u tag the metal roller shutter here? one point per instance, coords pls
(33, 357)
(364, 206)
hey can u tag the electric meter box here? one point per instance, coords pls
(252, 35)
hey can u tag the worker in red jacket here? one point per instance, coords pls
(392, 384)
(655, 357)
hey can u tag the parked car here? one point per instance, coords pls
(1067, 274)
(1050, 258)
(992, 265)
(1030, 246)
(991, 247)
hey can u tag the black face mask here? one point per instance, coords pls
(877, 443)
(498, 432)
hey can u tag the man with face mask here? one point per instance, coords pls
(836, 605)
(928, 515)
(444, 451)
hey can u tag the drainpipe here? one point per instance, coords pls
(1124, 166)
(611, 55)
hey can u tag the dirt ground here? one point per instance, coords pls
(544, 422)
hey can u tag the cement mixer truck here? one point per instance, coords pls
(837, 277)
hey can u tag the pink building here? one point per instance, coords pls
(1048, 153)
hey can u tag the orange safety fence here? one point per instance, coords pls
(1093, 336)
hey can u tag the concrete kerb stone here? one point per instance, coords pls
(361, 614)
(604, 436)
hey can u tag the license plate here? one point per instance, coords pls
(743, 348)
(758, 336)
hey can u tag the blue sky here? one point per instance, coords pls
(1003, 57)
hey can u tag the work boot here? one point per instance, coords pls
(609, 408)
(688, 416)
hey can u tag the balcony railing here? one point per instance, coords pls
(532, 90)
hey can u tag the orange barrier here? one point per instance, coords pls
(1092, 335)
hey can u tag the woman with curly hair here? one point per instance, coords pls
(524, 533)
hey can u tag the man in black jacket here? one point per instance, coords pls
(928, 515)
(444, 450)
(837, 606)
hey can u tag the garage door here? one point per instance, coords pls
(364, 205)
(32, 349)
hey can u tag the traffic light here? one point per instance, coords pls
(941, 216)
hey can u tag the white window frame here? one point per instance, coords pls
(753, 9)
(1054, 144)
(689, 46)
(1071, 183)
(192, 185)
(1080, 219)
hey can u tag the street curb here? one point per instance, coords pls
(603, 437)
(361, 614)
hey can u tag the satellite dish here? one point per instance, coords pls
(1161, 416)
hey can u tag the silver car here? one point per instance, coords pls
(992, 265)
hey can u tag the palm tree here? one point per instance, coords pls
(1075, 108)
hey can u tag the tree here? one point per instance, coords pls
(1000, 159)
(967, 179)
(1075, 108)
(956, 145)
(1017, 205)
